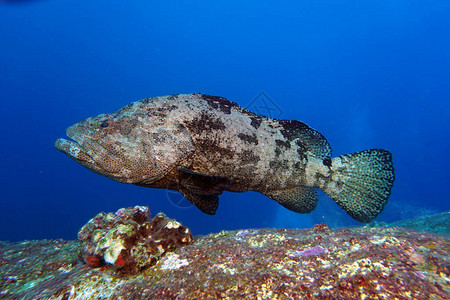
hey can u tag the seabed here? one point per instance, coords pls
(384, 262)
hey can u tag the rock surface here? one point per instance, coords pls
(348, 263)
(129, 240)
(436, 223)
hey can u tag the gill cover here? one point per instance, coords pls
(128, 146)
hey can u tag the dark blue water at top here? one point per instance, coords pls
(372, 74)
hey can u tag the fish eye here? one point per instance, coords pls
(327, 162)
(105, 124)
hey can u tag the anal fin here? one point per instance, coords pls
(301, 199)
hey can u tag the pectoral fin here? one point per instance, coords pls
(202, 190)
(300, 199)
(206, 203)
(203, 184)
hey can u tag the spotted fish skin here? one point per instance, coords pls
(202, 145)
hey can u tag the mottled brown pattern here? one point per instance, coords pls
(256, 122)
(205, 122)
(158, 142)
(284, 144)
(252, 139)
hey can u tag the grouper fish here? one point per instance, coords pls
(203, 145)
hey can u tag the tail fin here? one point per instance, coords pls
(361, 182)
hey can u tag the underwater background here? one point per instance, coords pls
(366, 74)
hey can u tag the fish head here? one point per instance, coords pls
(127, 146)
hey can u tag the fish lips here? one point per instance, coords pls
(86, 152)
(74, 150)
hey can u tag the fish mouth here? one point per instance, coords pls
(86, 152)
(75, 151)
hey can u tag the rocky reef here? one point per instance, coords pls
(129, 240)
(435, 223)
(347, 263)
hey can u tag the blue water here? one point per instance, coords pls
(367, 74)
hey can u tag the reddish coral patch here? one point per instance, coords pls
(120, 262)
(93, 260)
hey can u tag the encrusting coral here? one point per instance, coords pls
(129, 240)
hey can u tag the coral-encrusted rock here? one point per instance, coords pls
(316, 263)
(129, 240)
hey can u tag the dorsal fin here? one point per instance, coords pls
(311, 139)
